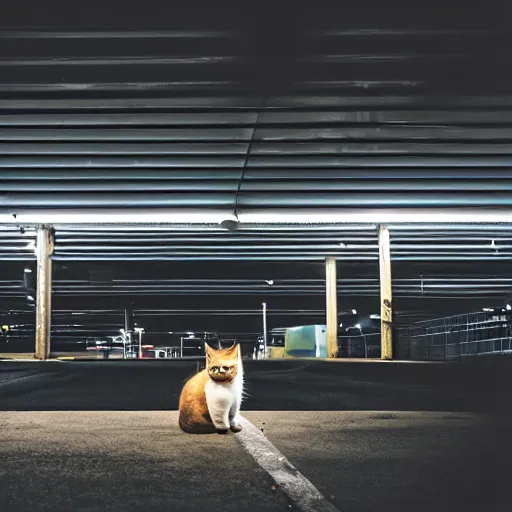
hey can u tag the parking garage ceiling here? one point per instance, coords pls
(376, 112)
(108, 110)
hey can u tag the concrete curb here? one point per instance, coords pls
(27, 356)
(306, 497)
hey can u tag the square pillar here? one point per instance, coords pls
(386, 307)
(331, 310)
(44, 251)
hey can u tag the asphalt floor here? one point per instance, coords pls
(91, 436)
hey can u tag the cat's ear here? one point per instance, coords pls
(209, 351)
(234, 349)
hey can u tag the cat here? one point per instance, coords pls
(210, 400)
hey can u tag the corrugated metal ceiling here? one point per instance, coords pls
(401, 114)
(106, 108)
(409, 242)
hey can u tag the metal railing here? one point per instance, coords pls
(460, 336)
(359, 346)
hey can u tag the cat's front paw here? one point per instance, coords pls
(234, 424)
(222, 431)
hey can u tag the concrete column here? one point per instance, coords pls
(331, 309)
(386, 308)
(44, 251)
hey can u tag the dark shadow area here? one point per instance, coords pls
(471, 386)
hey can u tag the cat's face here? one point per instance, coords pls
(222, 365)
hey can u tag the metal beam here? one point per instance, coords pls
(386, 311)
(44, 250)
(331, 307)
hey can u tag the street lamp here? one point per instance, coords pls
(265, 348)
(140, 330)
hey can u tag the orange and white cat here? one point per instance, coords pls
(210, 400)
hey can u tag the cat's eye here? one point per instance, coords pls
(223, 369)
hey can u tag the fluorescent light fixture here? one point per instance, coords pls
(31, 245)
(343, 244)
(117, 216)
(271, 216)
(375, 317)
(29, 297)
(358, 326)
(341, 325)
(27, 270)
(378, 216)
(354, 312)
(270, 282)
(508, 307)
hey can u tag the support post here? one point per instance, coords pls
(128, 320)
(331, 309)
(44, 251)
(386, 308)
(140, 330)
(124, 343)
(265, 346)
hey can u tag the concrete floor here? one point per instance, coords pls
(103, 436)
(124, 461)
